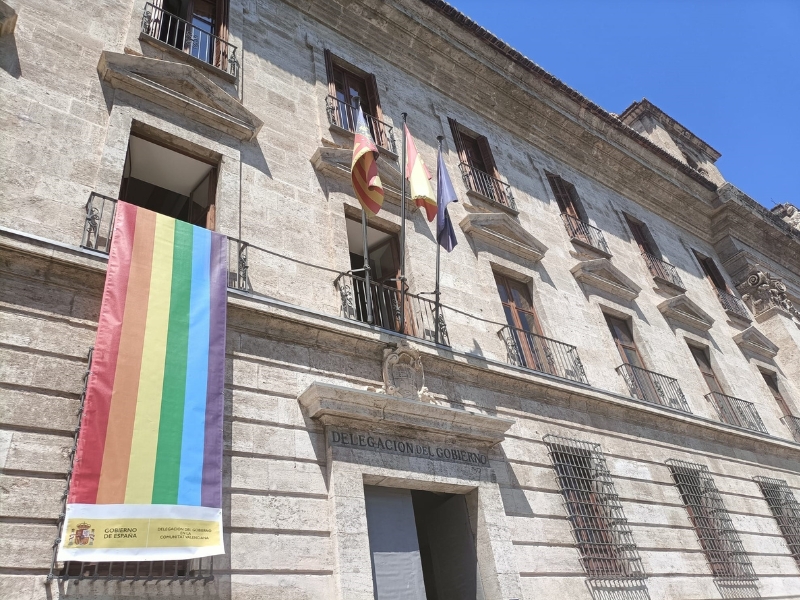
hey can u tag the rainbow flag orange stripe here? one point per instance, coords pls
(152, 426)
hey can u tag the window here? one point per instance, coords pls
(566, 196)
(522, 319)
(384, 262)
(477, 165)
(348, 86)
(198, 27)
(169, 182)
(711, 522)
(643, 384)
(601, 530)
(660, 269)
(772, 383)
(712, 272)
(623, 338)
(785, 509)
(703, 361)
(642, 236)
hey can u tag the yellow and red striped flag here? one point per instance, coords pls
(419, 178)
(364, 169)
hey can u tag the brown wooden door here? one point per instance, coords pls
(639, 379)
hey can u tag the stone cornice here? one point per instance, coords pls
(519, 96)
(338, 405)
(636, 109)
(303, 326)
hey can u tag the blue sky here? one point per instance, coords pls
(728, 70)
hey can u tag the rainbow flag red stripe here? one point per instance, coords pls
(151, 432)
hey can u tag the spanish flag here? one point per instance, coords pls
(364, 169)
(419, 178)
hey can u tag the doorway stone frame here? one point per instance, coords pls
(365, 416)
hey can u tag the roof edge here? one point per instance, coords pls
(463, 21)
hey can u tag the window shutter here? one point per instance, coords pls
(372, 96)
(329, 73)
(462, 154)
(488, 159)
(221, 17)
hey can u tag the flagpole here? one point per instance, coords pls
(403, 229)
(437, 292)
(368, 291)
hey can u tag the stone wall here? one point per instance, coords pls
(66, 134)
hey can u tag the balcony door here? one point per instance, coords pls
(703, 361)
(523, 323)
(639, 379)
(207, 20)
(346, 87)
(772, 383)
(565, 195)
(642, 237)
(385, 289)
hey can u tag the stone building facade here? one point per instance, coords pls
(614, 411)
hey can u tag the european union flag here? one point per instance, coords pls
(445, 194)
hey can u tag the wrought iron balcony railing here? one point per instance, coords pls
(343, 115)
(793, 424)
(735, 411)
(419, 319)
(663, 270)
(487, 186)
(654, 387)
(99, 222)
(588, 234)
(181, 34)
(732, 304)
(538, 353)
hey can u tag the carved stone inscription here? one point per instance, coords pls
(406, 447)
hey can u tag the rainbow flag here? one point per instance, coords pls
(147, 481)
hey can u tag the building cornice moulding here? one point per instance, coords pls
(548, 117)
(346, 406)
(753, 340)
(179, 87)
(683, 310)
(498, 230)
(602, 274)
(289, 322)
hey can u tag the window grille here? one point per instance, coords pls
(712, 523)
(182, 571)
(785, 509)
(198, 569)
(599, 526)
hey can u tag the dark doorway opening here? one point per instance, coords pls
(422, 545)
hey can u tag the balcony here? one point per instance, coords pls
(793, 425)
(342, 115)
(538, 353)
(419, 319)
(489, 187)
(735, 411)
(663, 271)
(733, 305)
(585, 234)
(654, 387)
(99, 223)
(170, 31)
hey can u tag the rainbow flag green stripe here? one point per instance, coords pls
(152, 425)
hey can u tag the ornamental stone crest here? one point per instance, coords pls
(402, 373)
(761, 291)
